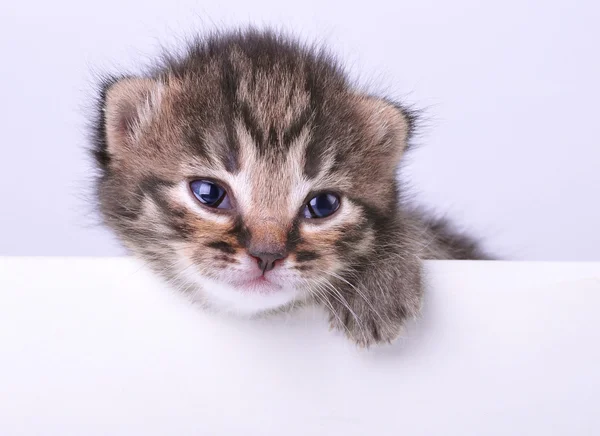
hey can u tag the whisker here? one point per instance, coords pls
(362, 295)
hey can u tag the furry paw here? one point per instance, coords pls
(367, 328)
(373, 308)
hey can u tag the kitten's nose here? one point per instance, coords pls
(266, 261)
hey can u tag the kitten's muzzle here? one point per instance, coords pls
(268, 241)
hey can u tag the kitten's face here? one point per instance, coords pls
(251, 180)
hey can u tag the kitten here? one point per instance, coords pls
(251, 174)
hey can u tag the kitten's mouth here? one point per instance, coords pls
(260, 283)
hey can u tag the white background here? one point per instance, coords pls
(502, 349)
(511, 148)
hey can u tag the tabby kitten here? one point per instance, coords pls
(249, 173)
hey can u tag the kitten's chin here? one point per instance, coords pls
(249, 298)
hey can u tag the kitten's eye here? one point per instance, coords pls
(210, 194)
(321, 206)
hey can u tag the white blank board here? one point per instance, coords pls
(98, 347)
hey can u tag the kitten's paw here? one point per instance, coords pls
(374, 308)
(368, 328)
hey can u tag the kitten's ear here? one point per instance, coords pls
(129, 105)
(391, 126)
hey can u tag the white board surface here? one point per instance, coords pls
(92, 346)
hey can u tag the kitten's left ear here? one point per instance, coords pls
(128, 105)
(391, 125)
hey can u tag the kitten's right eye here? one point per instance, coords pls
(210, 194)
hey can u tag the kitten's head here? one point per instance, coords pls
(248, 171)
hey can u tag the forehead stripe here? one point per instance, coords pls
(229, 152)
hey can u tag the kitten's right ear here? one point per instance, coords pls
(128, 106)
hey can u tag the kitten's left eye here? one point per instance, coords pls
(210, 194)
(321, 206)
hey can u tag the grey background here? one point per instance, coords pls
(511, 145)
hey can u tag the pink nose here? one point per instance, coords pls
(266, 261)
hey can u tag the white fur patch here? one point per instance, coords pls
(248, 302)
(228, 298)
